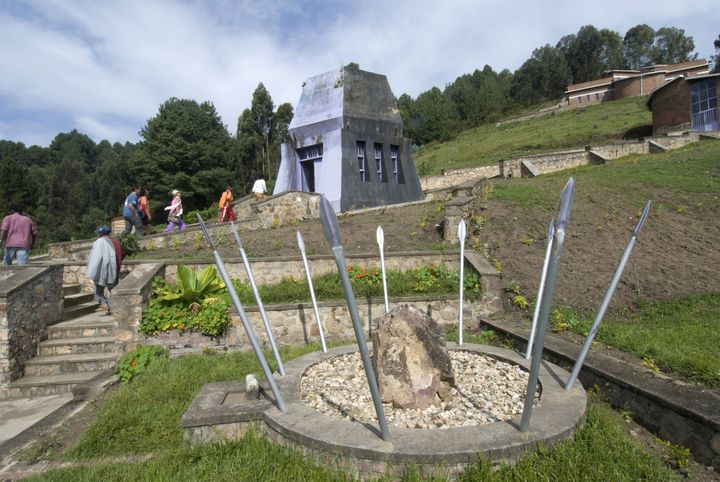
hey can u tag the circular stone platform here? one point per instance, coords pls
(221, 411)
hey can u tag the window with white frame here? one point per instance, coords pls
(395, 159)
(379, 163)
(361, 161)
(310, 152)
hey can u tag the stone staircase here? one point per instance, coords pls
(78, 349)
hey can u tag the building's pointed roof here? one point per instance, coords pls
(346, 92)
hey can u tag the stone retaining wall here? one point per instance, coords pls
(31, 299)
(545, 163)
(452, 177)
(271, 271)
(292, 324)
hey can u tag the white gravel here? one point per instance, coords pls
(487, 390)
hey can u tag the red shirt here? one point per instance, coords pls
(119, 255)
(19, 229)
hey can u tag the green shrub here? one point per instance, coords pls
(136, 362)
(129, 244)
(193, 303)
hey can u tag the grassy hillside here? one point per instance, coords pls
(487, 144)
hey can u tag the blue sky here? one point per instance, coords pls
(104, 67)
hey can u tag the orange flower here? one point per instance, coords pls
(134, 363)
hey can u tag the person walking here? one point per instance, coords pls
(259, 189)
(175, 210)
(226, 211)
(103, 267)
(17, 236)
(144, 207)
(131, 214)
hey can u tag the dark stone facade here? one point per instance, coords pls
(341, 114)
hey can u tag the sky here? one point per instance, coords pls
(105, 67)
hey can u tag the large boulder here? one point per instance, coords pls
(410, 358)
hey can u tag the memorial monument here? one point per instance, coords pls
(346, 142)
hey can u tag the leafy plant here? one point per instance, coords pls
(193, 303)
(199, 241)
(191, 287)
(520, 302)
(512, 287)
(136, 361)
(129, 245)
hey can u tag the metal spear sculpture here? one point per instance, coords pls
(332, 234)
(608, 296)
(462, 231)
(243, 317)
(566, 198)
(263, 315)
(301, 245)
(543, 275)
(380, 236)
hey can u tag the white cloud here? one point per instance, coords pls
(104, 68)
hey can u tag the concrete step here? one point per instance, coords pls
(78, 299)
(66, 346)
(44, 385)
(72, 312)
(74, 363)
(71, 289)
(88, 326)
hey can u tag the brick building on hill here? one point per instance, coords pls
(621, 84)
(686, 103)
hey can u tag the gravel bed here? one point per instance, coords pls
(487, 390)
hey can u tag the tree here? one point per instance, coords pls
(637, 46)
(76, 146)
(611, 52)
(283, 117)
(16, 186)
(182, 144)
(433, 117)
(542, 77)
(262, 112)
(716, 43)
(672, 46)
(583, 54)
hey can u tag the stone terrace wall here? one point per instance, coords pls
(676, 142)
(296, 323)
(453, 177)
(613, 151)
(270, 271)
(30, 301)
(546, 163)
(286, 208)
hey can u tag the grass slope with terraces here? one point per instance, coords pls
(567, 129)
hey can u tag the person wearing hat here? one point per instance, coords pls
(175, 210)
(103, 266)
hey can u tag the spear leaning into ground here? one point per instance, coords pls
(332, 234)
(566, 198)
(263, 315)
(243, 317)
(608, 296)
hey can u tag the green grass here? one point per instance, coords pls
(143, 419)
(487, 144)
(679, 335)
(689, 176)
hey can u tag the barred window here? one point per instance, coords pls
(361, 160)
